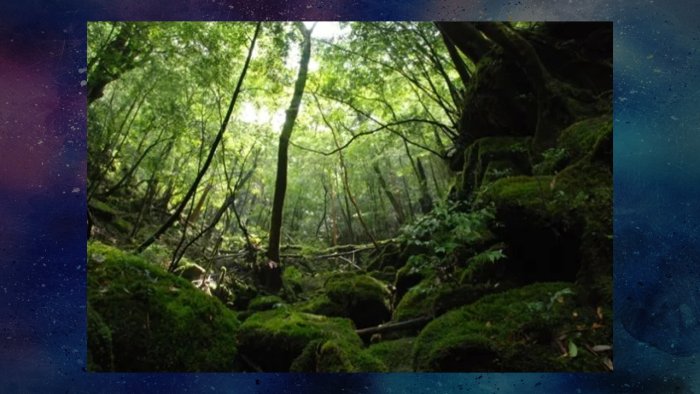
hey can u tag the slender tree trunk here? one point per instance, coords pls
(176, 215)
(398, 209)
(271, 273)
(426, 201)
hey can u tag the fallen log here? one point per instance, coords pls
(391, 326)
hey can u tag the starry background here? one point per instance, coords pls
(42, 195)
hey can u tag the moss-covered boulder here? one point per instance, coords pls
(429, 298)
(585, 190)
(157, 321)
(539, 327)
(336, 356)
(417, 269)
(580, 138)
(542, 238)
(273, 339)
(321, 305)
(363, 299)
(394, 354)
(99, 355)
(417, 302)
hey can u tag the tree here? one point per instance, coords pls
(271, 272)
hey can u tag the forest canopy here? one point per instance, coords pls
(365, 174)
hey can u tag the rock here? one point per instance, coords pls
(514, 331)
(416, 270)
(158, 321)
(394, 354)
(542, 241)
(273, 339)
(362, 298)
(417, 302)
(336, 356)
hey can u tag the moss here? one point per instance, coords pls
(487, 266)
(417, 302)
(100, 355)
(189, 271)
(263, 303)
(103, 209)
(513, 331)
(364, 299)
(321, 305)
(586, 189)
(491, 158)
(336, 356)
(395, 354)
(158, 321)
(580, 138)
(527, 191)
(450, 297)
(416, 270)
(273, 339)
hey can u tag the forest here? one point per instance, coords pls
(349, 196)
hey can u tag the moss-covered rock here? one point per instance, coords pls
(336, 356)
(418, 268)
(99, 353)
(363, 299)
(394, 354)
(158, 321)
(515, 331)
(580, 138)
(417, 302)
(542, 237)
(321, 305)
(273, 339)
(585, 189)
(429, 298)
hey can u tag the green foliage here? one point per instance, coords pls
(447, 228)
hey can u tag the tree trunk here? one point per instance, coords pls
(400, 216)
(467, 38)
(271, 273)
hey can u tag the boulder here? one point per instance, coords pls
(273, 339)
(517, 330)
(157, 321)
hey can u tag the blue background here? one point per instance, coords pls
(42, 195)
